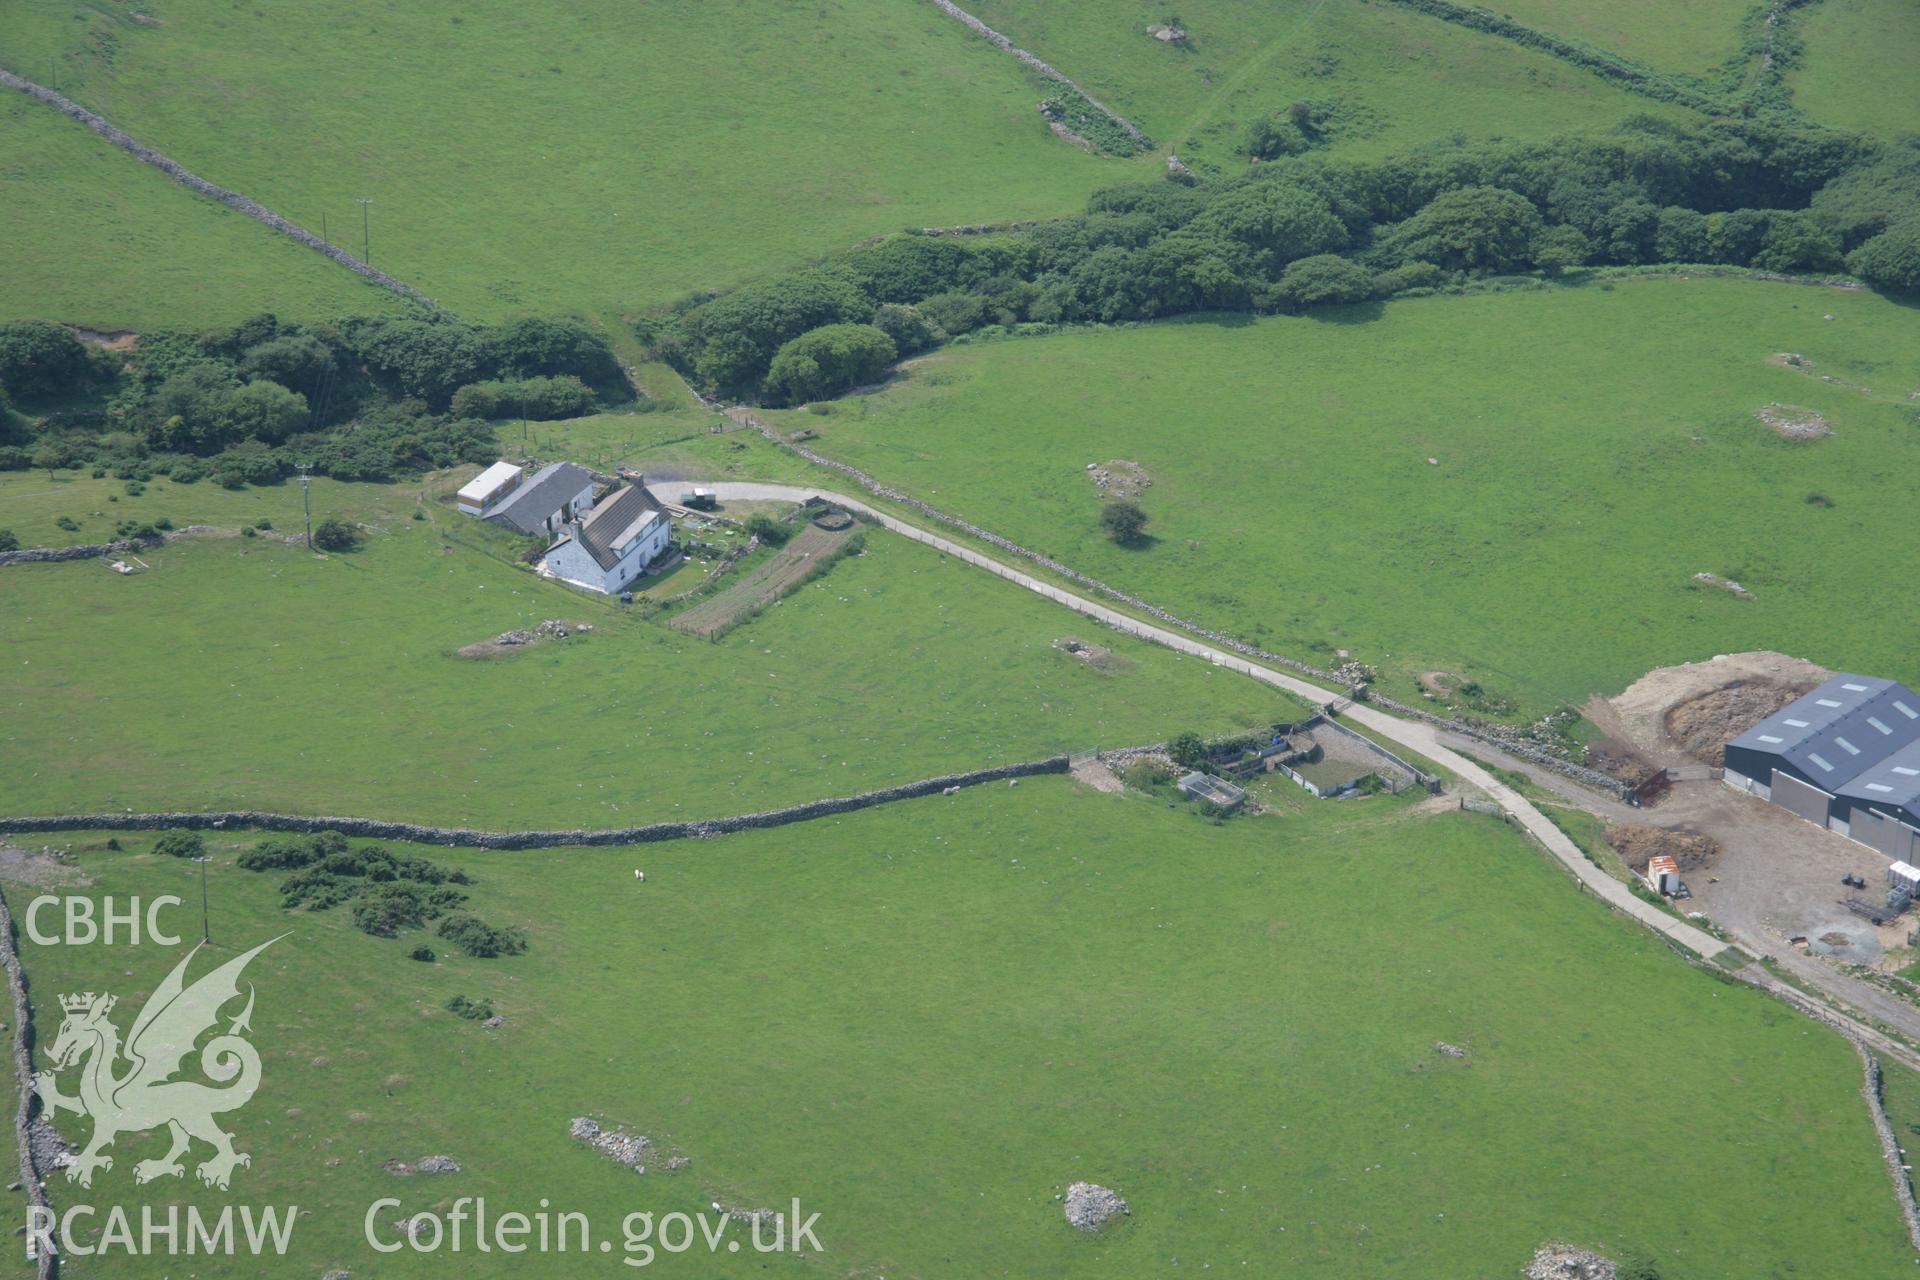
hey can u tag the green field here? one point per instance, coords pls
(1696, 37)
(550, 156)
(1405, 78)
(94, 237)
(244, 673)
(924, 1020)
(1857, 72)
(1595, 447)
(32, 504)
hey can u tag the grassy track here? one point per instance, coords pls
(1413, 77)
(547, 155)
(924, 1020)
(1857, 72)
(241, 673)
(1596, 449)
(94, 237)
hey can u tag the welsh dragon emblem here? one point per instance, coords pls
(145, 1095)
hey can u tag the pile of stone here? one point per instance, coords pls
(1446, 1050)
(551, 627)
(630, 1150)
(1089, 1205)
(426, 1165)
(1564, 1262)
(1167, 34)
(1353, 674)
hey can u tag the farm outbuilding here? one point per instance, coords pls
(553, 496)
(1846, 756)
(489, 487)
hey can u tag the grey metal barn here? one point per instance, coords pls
(1846, 756)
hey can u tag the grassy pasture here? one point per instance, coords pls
(548, 155)
(1857, 71)
(1595, 449)
(1417, 78)
(31, 504)
(94, 237)
(243, 673)
(924, 1020)
(1695, 38)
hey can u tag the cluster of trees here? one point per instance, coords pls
(371, 398)
(1308, 231)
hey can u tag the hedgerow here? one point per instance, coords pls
(1767, 194)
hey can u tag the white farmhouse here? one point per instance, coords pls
(608, 550)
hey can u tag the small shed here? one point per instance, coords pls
(1663, 874)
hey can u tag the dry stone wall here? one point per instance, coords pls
(465, 837)
(1045, 69)
(232, 199)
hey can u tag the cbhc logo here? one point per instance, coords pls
(84, 929)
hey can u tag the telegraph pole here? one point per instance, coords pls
(323, 228)
(306, 501)
(366, 239)
(206, 932)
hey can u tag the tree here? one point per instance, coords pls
(1681, 236)
(1124, 521)
(1482, 229)
(828, 360)
(1324, 278)
(1891, 260)
(734, 338)
(49, 459)
(536, 347)
(40, 359)
(9, 541)
(259, 410)
(1795, 242)
(1187, 750)
(1735, 236)
(1278, 219)
(299, 361)
(427, 361)
(1562, 248)
(180, 844)
(912, 332)
(335, 535)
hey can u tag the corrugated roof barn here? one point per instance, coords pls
(1846, 756)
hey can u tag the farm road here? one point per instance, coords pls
(1421, 738)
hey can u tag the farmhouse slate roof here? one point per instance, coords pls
(1841, 731)
(616, 522)
(549, 489)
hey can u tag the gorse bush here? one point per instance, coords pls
(385, 892)
(335, 535)
(479, 939)
(180, 844)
